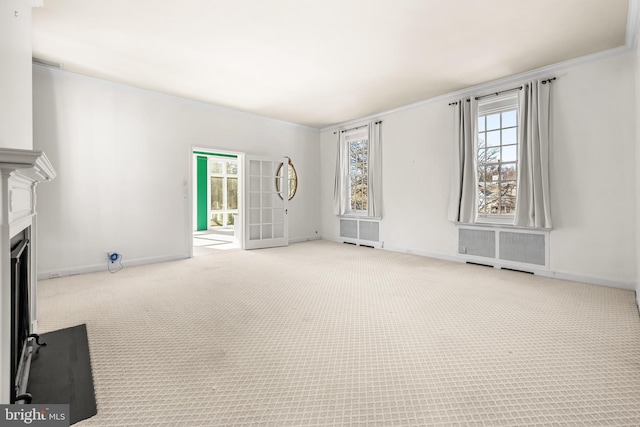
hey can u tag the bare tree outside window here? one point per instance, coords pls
(358, 175)
(497, 162)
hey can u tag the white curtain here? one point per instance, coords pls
(340, 199)
(374, 204)
(532, 201)
(462, 194)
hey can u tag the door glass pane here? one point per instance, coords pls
(267, 200)
(254, 232)
(267, 216)
(278, 231)
(254, 183)
(266, 231)
(216, 219)
(232, 193)
(254, 200)
(216, 193)
(254, 167)
(254, 216)
(232, 168)
(268, 184)
(278, 215)
(267, 169)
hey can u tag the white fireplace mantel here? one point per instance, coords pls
(20, 172)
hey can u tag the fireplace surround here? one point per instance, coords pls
(20, 172)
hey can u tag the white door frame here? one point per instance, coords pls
(189, 188)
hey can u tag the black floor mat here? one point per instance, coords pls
(61, 372)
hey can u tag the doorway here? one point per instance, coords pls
(217, 180)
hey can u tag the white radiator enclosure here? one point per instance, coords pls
(505, 247)
(364, 232)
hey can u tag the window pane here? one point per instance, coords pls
(481, 123)
(232, 193)
(509, 153)
(508, 189)
(493, 206)
(481, 174)
(507, 206)
(352, 192)
(509, 136)
(492, 173)
(492, 190)
(493, 138)
(482, 204)
(482, 190)
(216, 193)
(481, 139)
(493, 121)
(509, 118)
(508, 172)
(216, 166)
(232, 168)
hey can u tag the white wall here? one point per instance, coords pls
(592, 175)
(122, 155)
(15, 74)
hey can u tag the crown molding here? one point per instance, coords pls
(491, 86)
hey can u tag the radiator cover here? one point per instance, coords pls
(360, 231)
(505, 247)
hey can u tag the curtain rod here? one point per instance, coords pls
(357, 127)
(544, 82)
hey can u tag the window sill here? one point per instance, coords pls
(502, 220)
(359, 216)
(504, 225)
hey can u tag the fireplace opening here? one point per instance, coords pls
(20, 313)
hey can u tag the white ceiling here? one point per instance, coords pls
(319, 62)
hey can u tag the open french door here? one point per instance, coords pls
(266, 203)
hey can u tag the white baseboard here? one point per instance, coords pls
(546, 273)
(52, 274)
(303, 239)
(424, 253)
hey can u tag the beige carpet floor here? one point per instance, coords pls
(325, 334)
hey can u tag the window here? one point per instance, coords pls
(358, 180)
(497, 158)
(358, 175)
